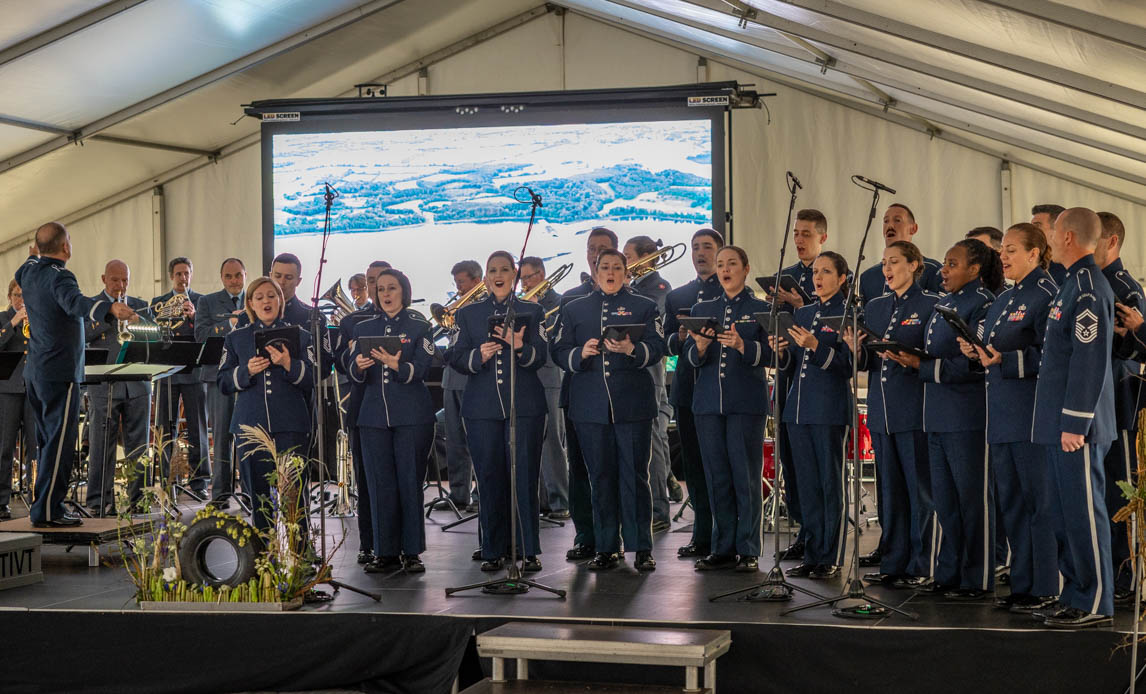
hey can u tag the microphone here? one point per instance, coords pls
(795, 181)
(534, 197)
(874, 184)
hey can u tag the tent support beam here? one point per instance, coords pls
(1079, 20)
(130, 142)
(62, 31)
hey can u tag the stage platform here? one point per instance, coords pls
(416, 636)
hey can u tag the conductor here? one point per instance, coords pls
(55, 365)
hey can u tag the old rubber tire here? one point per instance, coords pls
(193, 550)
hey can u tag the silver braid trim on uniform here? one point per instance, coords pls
(938, 366)
(59, 453)
(1075, 413)
(988, 555)
(1093, 530)
(410, 378)
(828, 361)
(235, 378)
(645, 359)
(470, 361)
(1022, 371)
(301, 373)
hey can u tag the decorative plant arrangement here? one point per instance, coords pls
(1134, 512)
(165, 559)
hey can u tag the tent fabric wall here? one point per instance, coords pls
(214, 212)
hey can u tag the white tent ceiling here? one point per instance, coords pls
(101, 99)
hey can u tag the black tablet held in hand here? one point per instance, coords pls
(618, 332)
(386, 343)
(959, 325)
(893, 346)
(787, 283)
(780, 326)
(280, 338)
(697, 325)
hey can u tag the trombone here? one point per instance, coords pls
(657, 260)
(444, 315)
(548, 283)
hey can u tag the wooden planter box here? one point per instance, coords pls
(173, 606)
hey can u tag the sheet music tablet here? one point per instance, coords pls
(783, 318)
(696, 325)
(959, 325)
(279, 338)
(385, 343)
(787, 283)
(897, 347)
(839, 323)
(618, 332)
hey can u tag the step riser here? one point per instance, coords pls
(19, 560)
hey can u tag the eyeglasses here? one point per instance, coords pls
(531, 275)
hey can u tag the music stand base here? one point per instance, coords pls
(339, 585)
(774, 588)
(443, 499)
(459, 521)
(866, 609)
(511, 584)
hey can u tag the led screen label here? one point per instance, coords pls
(708, 100)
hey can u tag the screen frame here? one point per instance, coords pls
(494, 110)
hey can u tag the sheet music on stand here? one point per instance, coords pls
(111, 373)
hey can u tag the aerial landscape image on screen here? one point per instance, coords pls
(424, 199)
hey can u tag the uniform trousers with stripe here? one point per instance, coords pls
(961, 489)
(363, 507)
(787, 459)
(489, 447)
(255, 464)
(1120, 463)
(1077, 485)
(15, 416)
(694, 479)
(1020, 471)
(130, 416)
(580, 489)
(618, 457)
(55, 409)
(732, 449)
(820, 477)
(908, 539)
(395, 465)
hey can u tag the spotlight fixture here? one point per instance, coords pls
(466, 110)
(512, 108)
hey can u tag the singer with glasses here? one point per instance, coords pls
(482, 352)
(817, 411)
(395, 422)
(612, 405)
(1013, 331)
(729, 404)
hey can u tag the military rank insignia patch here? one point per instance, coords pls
(1086, 327)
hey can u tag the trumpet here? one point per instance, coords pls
(655, 261)
(342, 305)
(548, 283)
(27, 329)
(444, 315)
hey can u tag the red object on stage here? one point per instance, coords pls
(867, 453)
(769, 459)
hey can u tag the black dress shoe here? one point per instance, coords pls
(872, 558)
(676, 494)
(1029, 604)
(645, 562)
(748, 564)
(800, 571)
(476, 556)
(794, 552)
(1005, 602)
(491, 564)
(878, 579)
(531, 565)
(1043, 613)
(413, 565)
(5, 512)
(824, 571)
(909, 582)
(580, 552)
(1074, 618)
(933, 588)
(1122, 596)
(966, 594)
(691, 550)
(604, 561)
(715, 562)
(365, 556)
(382, 565)
(67, 520)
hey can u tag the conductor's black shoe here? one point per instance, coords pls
(748, 564)
(365, 556)
(604, 561)
(1030, 604)
(715, 562)
(1122, 596)
(800, 571)
(824, 571)
(531, 565)
(878, 579)
(5, 512)
(793, 552)
(676, 494)
(966, 594)
(1074, 618)
(691, 550)
(68, 520)
(872, 558)
(645, 562)
(660, 526)
(476, 556)
(382, 565)
(491, 564)
(580, 552)
(413, 565)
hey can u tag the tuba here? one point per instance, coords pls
(342, 305)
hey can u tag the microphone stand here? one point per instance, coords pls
(865, 607)
(318, 335)
(775, 587)
(513, 583)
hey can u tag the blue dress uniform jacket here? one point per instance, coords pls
(1125, 364)
(13, 340)
(1075, 392)
(819, 393)
(729, 382)
(186, 329)
(681, 300)
(487, 389)
(550, 373)
(1015, 325)
(57, 310)
(394, 398)
(609, 387)
(102, 334)
(212, 319)
(1057, 273)
(873, 285)
(954, 395)
(803, 275)
(895, 400)
(275, 399)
